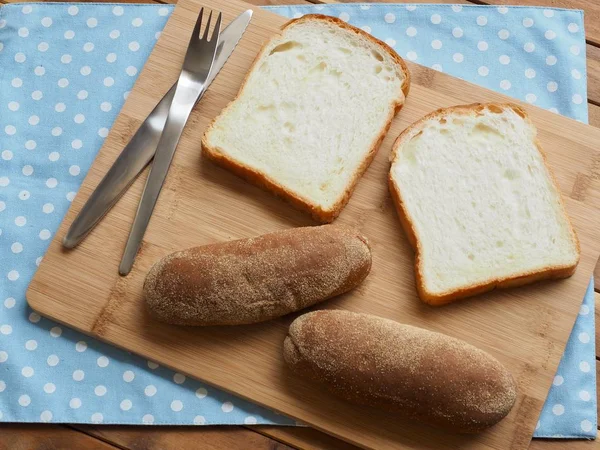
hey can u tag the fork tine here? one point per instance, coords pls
(196, 31)
(205, 35)
(216, 31)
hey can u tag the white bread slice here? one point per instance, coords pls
(478, 203)
(311, 113)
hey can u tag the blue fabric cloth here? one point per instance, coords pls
(65, 71)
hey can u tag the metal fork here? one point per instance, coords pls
(192, 82)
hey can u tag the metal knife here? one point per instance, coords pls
(141, 148)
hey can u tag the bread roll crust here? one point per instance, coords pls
(399, 368)
(257, 279)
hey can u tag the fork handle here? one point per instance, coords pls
(176, 120)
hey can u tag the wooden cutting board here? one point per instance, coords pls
(525, 328)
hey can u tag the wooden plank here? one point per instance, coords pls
(20, 436)
(150, 438)
(47, 437)
(592, 54)
(308, 438)
(304, 438)
(561, 444)
(162, 437)
(594, 113)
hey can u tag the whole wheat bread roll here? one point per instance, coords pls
(424, 375)
(257, 279)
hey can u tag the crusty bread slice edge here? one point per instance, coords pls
(264, 181)
(519, 279)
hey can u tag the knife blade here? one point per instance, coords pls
(140, 150)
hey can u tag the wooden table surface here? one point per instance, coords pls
(32, 436)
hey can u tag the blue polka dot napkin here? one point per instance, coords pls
(66, 70)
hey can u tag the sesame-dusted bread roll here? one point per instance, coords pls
(257, 279)
(424, 375)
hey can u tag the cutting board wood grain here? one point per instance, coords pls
(525, 328)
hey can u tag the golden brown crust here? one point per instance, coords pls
(551, 272)
(399, 368)
(257, 279)
(264, 181)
